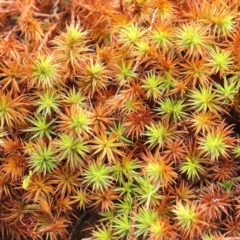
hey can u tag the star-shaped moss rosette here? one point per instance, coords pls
(119, 119)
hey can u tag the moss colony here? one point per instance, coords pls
(119, 120)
